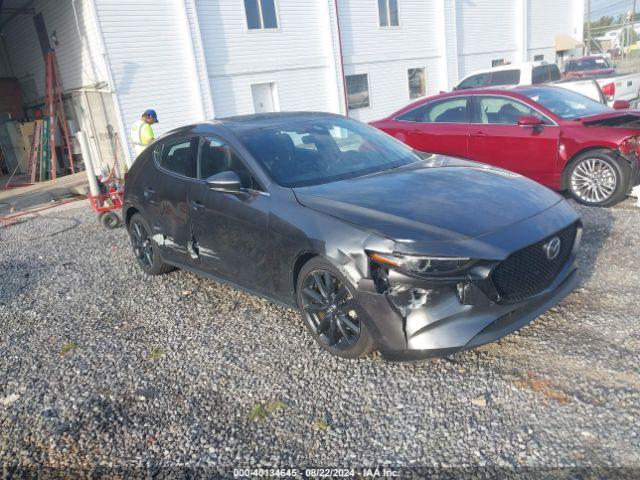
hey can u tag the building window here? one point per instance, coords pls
(358, 91)
(497, 62)
(388, 11)
(538, 58)
(417, 82)
(261, 14)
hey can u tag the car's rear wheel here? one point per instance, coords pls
(331, 312)
(598, 178)
(145, 249)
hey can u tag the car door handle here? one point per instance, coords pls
(196, 205)
(479, 134)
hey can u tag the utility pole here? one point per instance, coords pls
(587, 49)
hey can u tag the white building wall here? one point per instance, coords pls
(386, 53)
(200, 60)
(296, 56)
(150, 53)
(79, 61)
(487, 30)
(549, 18)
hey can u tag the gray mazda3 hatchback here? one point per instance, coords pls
(378, 246)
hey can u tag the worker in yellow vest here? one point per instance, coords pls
(141, 131)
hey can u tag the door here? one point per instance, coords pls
(230, 229)
(263, 97)
(441, 127)
(165, 194)
(497, 139)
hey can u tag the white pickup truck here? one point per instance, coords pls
(529, 73)
(615, 87)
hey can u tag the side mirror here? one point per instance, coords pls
(224, 182)
(621, 105)
(530, 121)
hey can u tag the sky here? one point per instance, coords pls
(600, 8)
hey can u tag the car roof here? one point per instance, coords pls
(508, 66)
(244, 123)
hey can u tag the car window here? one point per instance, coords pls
(554, 73)
(175, 156)
(451, 110)
(587, 64)
(324, 150)
(475, 81)
(503, 110)
(504, 77)
(215, 156)
(545, 73)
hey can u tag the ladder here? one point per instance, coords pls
(54, 108)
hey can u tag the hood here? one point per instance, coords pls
(438, 200)
(620, 118)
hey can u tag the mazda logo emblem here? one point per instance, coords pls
(552, 248)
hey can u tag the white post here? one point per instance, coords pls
(88, 164)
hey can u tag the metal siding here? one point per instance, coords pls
(201, 66)
(297, 56)
(386, 53)
(567, 18)
(152, 63)
(487, 30)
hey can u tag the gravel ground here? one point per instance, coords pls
(104, 367)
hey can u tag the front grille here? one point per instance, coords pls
(529, 271)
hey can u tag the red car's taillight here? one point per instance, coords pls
(609, 91)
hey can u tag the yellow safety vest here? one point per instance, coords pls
(141, 135)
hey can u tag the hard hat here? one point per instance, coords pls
(151, 113)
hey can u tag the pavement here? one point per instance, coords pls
(106, 371)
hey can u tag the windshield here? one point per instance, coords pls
(565, 103)
(587, 64)
(324, 150)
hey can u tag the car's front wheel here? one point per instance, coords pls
(597, 178)
(330, 310)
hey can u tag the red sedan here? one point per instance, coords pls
(559, 138)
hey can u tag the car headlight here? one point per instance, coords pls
(420, 265)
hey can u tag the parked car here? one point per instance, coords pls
(589, 66)
(561, 139)
(377, 246)
(530, 73)
(615, 87)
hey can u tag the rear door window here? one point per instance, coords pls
(175, 156)
(505, 77)
(544, 74)
(449, 110)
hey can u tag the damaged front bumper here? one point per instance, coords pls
(446, 321)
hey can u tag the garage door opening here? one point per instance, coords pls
(31, 30)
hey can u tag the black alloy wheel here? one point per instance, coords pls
(331, 313)
(144, 248)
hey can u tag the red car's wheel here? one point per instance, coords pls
(598, 178)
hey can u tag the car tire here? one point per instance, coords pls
(598, 178)
(145, 249)
(330, 310)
